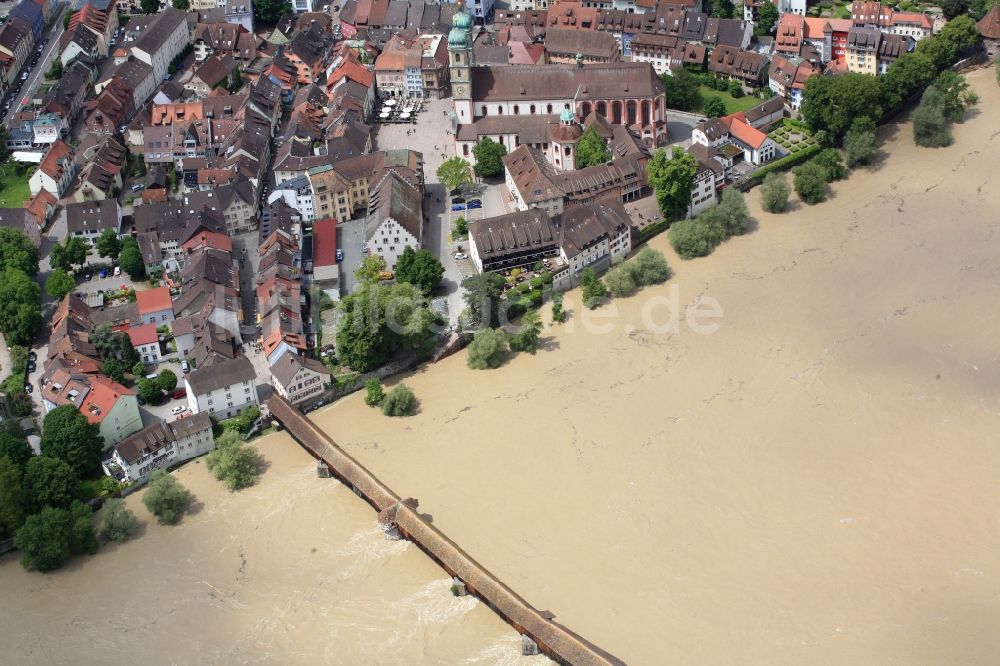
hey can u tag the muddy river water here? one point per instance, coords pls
(812, 480)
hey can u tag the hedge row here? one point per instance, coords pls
(787, 162)
(653, 229)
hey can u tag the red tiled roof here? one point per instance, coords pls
(325, 242)
(210, 239)
(741, 130)
(51, 163)
(143, 335)
(153, 300)
(989, 25)
(104, 393)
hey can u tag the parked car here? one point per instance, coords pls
(177, 410)
(88, 276)
(185, 367)
(178, 394)
(475, 203)
(103, 273)
(461, 255)
(137, 187)
(31, 366)
(139, 399)
(340, 254)
(28, 389)
(32, 356)
(458, 207)
(118, 271)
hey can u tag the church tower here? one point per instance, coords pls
(562, 140)
(460, 60)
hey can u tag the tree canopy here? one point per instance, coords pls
(14, 444)
(930, 125)
(233, 463)
(399, 401)
(774, 193)
(594, 291)
(810, 182)
(270, 11)
(378, 320)
(488, 349)
(131, 258)
(49, 537)
(714, 107)
(50, 481)
(454, 172)
(682, 88)
(20, 307)
(482, 297)
(108, 244)
(166, 498)
(419, 268)
(116, 522)
(489, 157)
(17, 251)
(68, 436)
(166, 380)
(528, 333)
(12, 499)
(591, 149)
(672, 179)
(767, 18)
(372, 266)
(833, 103)
(859, 143)
(956, 96)
(59, 283)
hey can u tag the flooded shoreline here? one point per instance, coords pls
(812, 482)
(294, 570)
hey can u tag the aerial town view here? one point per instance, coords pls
(586, 332)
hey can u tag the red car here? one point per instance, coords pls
(179, 393)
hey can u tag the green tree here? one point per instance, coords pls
(955, 94)
(735, 89)
(116, 522)
(594, 291)
(82, 538)
(182, 5)
(55, 71)
(270, 11)
(12, 500)
(930, 126)
(558, 314)
(672, 179)
(114, 369)
(591, 149)
(149, 390)
(139, 369)
(489, 157)
(126, 351)
(774, 193)
(166, 498)
(767, 18)
(149, 6)
(76, 250)
(20, 307)
(50, 481)
(131, 259)
(620, 282)
(419, 268)
(243, 423)
(714, 107)
(910, 73)
(44, 539)
(952, 8)
(721, 8)
(454, 172)
(833, 103)
(859, 143)
(399, 401)
(488, 349)
(67, 435)
(810, 182)
(374, 392)
(166, 380)
(233, 463)
(961, 35)
(378, 320)
(732, 213)
(371, 267)
(648, 267)
(13, 443)
(59, 284)
(461, 228)
(693, 238)
(526, 338)
(108, 244)
(17, 251)
(832, 163)
(683, 91)
(482, 297)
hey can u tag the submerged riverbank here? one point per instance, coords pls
(811, 482)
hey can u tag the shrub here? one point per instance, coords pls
(810, 183)
(117, 523)
(488, 349)
(693, 238)
(526, 338)
(714, 107)
(619, 281)
(653, 229)
(859, 143)
(787, 162)
(930, 126)
(648, 267)
(373, 392)
(774, 193)
(558, 314)
(233, 463)
(400, 401)
(166, 499)
(832, 163)
(594, 291)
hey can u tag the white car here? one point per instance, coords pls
(177, 410)
(461, 255)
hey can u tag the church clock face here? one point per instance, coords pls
(460, 90)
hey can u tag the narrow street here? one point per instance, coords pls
(53, 32)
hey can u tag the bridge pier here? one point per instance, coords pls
(458, 587)
(528, 646)
(322, 469)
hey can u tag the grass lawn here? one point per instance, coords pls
(13, 187)
(732, 104)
